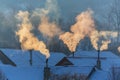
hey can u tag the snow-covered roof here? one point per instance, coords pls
(70, 70)
(21, 58)
(83, 63)
(55, 58)
(22, 73)
(100, 75)
(106, 54)
(89, 58)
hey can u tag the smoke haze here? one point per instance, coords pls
(100, 40)
(49, 16)
(26, 38)
(54, 17)
(84, 26)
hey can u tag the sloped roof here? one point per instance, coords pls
(100, 75)
(83, 63)
(93, 54)
(60, 70)
(89, 58)
(55, 58)
(22, 73)
(21, 58)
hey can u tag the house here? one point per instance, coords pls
(108, 60)
(24, 70)
(82, 63)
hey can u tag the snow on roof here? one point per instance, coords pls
(106, 54)
(70, 70)
(83, 63)
(89, 58)
(22, 73)
(21, 58)
(100, 75)
(55, 58)
(84, 54)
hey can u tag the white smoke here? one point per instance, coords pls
(49, 18)
(26, 38)
(83, 27)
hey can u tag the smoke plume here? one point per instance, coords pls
(94, 37)
(100, 40)
(26, 38)
(119, 49)
(84, 26)
(104, 45)
(49, 16)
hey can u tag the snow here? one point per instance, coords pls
(70, 70)
(83, 62)
(21, 58)
(23, 73)
(100, 75)
(89, 58)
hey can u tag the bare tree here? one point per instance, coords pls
(114, 17)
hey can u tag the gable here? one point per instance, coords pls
(5, 59)
(22, 57)
(54, 58)
(64, 62)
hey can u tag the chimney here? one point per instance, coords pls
(73, 54)
(98, 60)
(98, 54)
(30, 57)
(46, 62)
(46, 71)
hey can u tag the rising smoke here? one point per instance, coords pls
(48, 26)
(49, 19)
(84, 26)
(26, 38)
(100, 40)
(119, 49)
